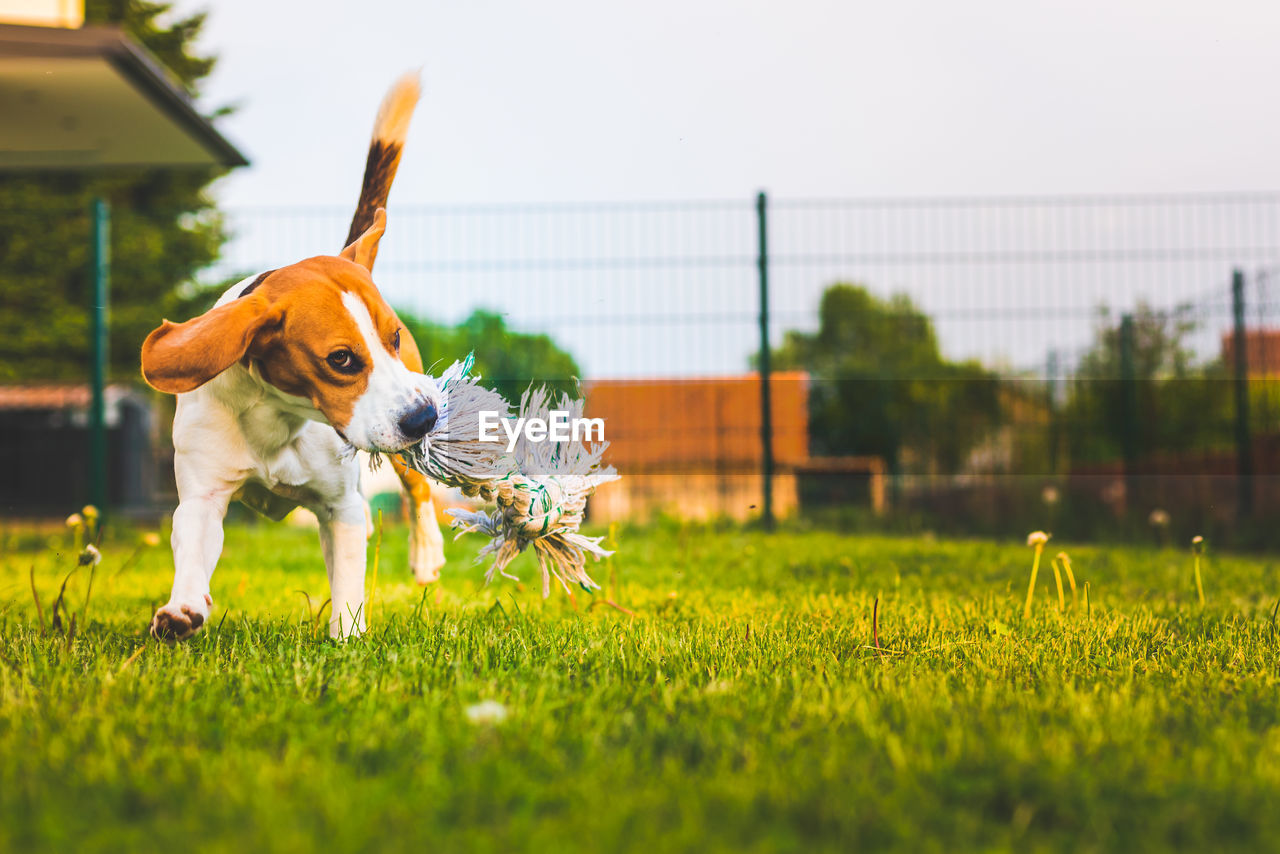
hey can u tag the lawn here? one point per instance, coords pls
(738, 704)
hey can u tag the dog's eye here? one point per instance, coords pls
(344, 362)
(395, 341)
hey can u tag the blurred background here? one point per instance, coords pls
(971, 269)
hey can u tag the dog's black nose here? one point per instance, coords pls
(419, 422)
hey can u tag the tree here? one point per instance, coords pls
(879, 384)
(1178, 405)
(165, 229)
(508, 361)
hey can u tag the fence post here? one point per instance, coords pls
(1051, 401)
(99, 275)
(1244, 441)
(766, 409)
(1128, 402)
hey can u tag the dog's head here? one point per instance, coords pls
(317, 331)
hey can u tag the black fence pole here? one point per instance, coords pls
(766, 409)
(1051, 401)
(1128, 402)
(1244, 440)
(99, 275)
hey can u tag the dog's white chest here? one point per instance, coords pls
(284, 470)
(310, 469)
(273, 460)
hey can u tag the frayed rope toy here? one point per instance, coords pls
(541, 488)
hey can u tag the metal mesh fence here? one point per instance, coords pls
(658, 304)
(1032, 289)
(658, 289)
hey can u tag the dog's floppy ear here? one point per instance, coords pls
(180, 357)
(365, 247)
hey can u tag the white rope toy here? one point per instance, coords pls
(541, 488)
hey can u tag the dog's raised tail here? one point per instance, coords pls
(389, 132)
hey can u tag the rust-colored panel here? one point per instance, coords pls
(709, 424)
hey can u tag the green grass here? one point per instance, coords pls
(743, 708)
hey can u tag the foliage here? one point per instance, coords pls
(164, 229)
(1178, 405)
(880, 385)
(743, 708)
(508, 361)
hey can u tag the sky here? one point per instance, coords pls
(567, 101)
(585, 100)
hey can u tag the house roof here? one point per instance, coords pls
(92, 98)
(47, 396)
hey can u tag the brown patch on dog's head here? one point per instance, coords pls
(315, 330)
(318, 351)
(294, 325)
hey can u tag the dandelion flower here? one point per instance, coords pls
(487, 712)
(1037, 538)
(151, 538)
(75, 520)
(90, 556)
(90, 512)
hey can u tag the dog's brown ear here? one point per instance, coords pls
(365, 247)
(180, 357)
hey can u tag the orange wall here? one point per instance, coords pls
(702, 424)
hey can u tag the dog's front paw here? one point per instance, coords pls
(178, 621)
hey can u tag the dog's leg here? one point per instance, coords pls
(426, 543)
(197, 542)
(343, 539)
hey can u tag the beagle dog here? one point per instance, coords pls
(278, 384)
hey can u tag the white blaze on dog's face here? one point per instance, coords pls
(317, 330)
(397, 406)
